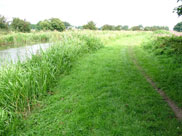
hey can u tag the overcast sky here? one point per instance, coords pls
(79, 12)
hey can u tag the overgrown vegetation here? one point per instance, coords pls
(24, 83)
(165, 67)
(20, 25)
(90, 25)
(21, 39)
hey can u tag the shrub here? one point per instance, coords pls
(20, 25)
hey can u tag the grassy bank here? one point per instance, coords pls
(161, 57)
(104, 95)
(12, 40)
(23, 84)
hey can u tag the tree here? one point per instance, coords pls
(57, 24)
(20, 25)
(137, 28)
(178, 27)
(44, 25)
(125, 27)
(155, 28)
(108, 27)
(118, 27)
(51, 24)
(178, 9)
(90, 25)
(67, 24)
(3, 23)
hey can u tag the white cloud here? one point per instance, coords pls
(79, 12)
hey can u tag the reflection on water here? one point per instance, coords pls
(21, 53)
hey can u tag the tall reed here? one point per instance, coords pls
(22, 84)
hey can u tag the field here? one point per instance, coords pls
(95, 83)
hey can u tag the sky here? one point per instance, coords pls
(79, 12)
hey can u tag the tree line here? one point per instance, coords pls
(92, 26)
(20, 25)
(52, 24)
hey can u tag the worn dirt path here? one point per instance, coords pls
(177, 111)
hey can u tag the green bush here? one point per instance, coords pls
(20, 25)
(166, 45)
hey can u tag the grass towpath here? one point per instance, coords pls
(104, 95)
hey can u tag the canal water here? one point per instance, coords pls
(21, 53)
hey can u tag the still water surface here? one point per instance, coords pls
(14, 54)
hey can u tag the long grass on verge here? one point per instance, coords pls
(26, 82)
(163, 62)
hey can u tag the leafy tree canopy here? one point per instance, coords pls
(178, 27)
(109, 27)
(137, 28)
(3, 22)
(178, 9)
(20, 25)
(90, 25)
(67, 24)
(51, 24)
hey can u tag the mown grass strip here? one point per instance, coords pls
(104, 95)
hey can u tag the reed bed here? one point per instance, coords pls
(21, 39)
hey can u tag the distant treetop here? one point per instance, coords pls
(178, 9)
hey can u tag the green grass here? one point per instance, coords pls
(103, 95)
(161, 59)
(24, 83)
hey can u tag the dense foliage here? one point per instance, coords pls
(112, 27)
(166, 45)
(178, 27)
(108, 27)
(137, 28)
(20, 25)
(178, 9)
(90, 25)
(155, 28)
(67, 25)
(51, 24)
(3, 23)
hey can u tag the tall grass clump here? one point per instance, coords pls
(24, 83)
